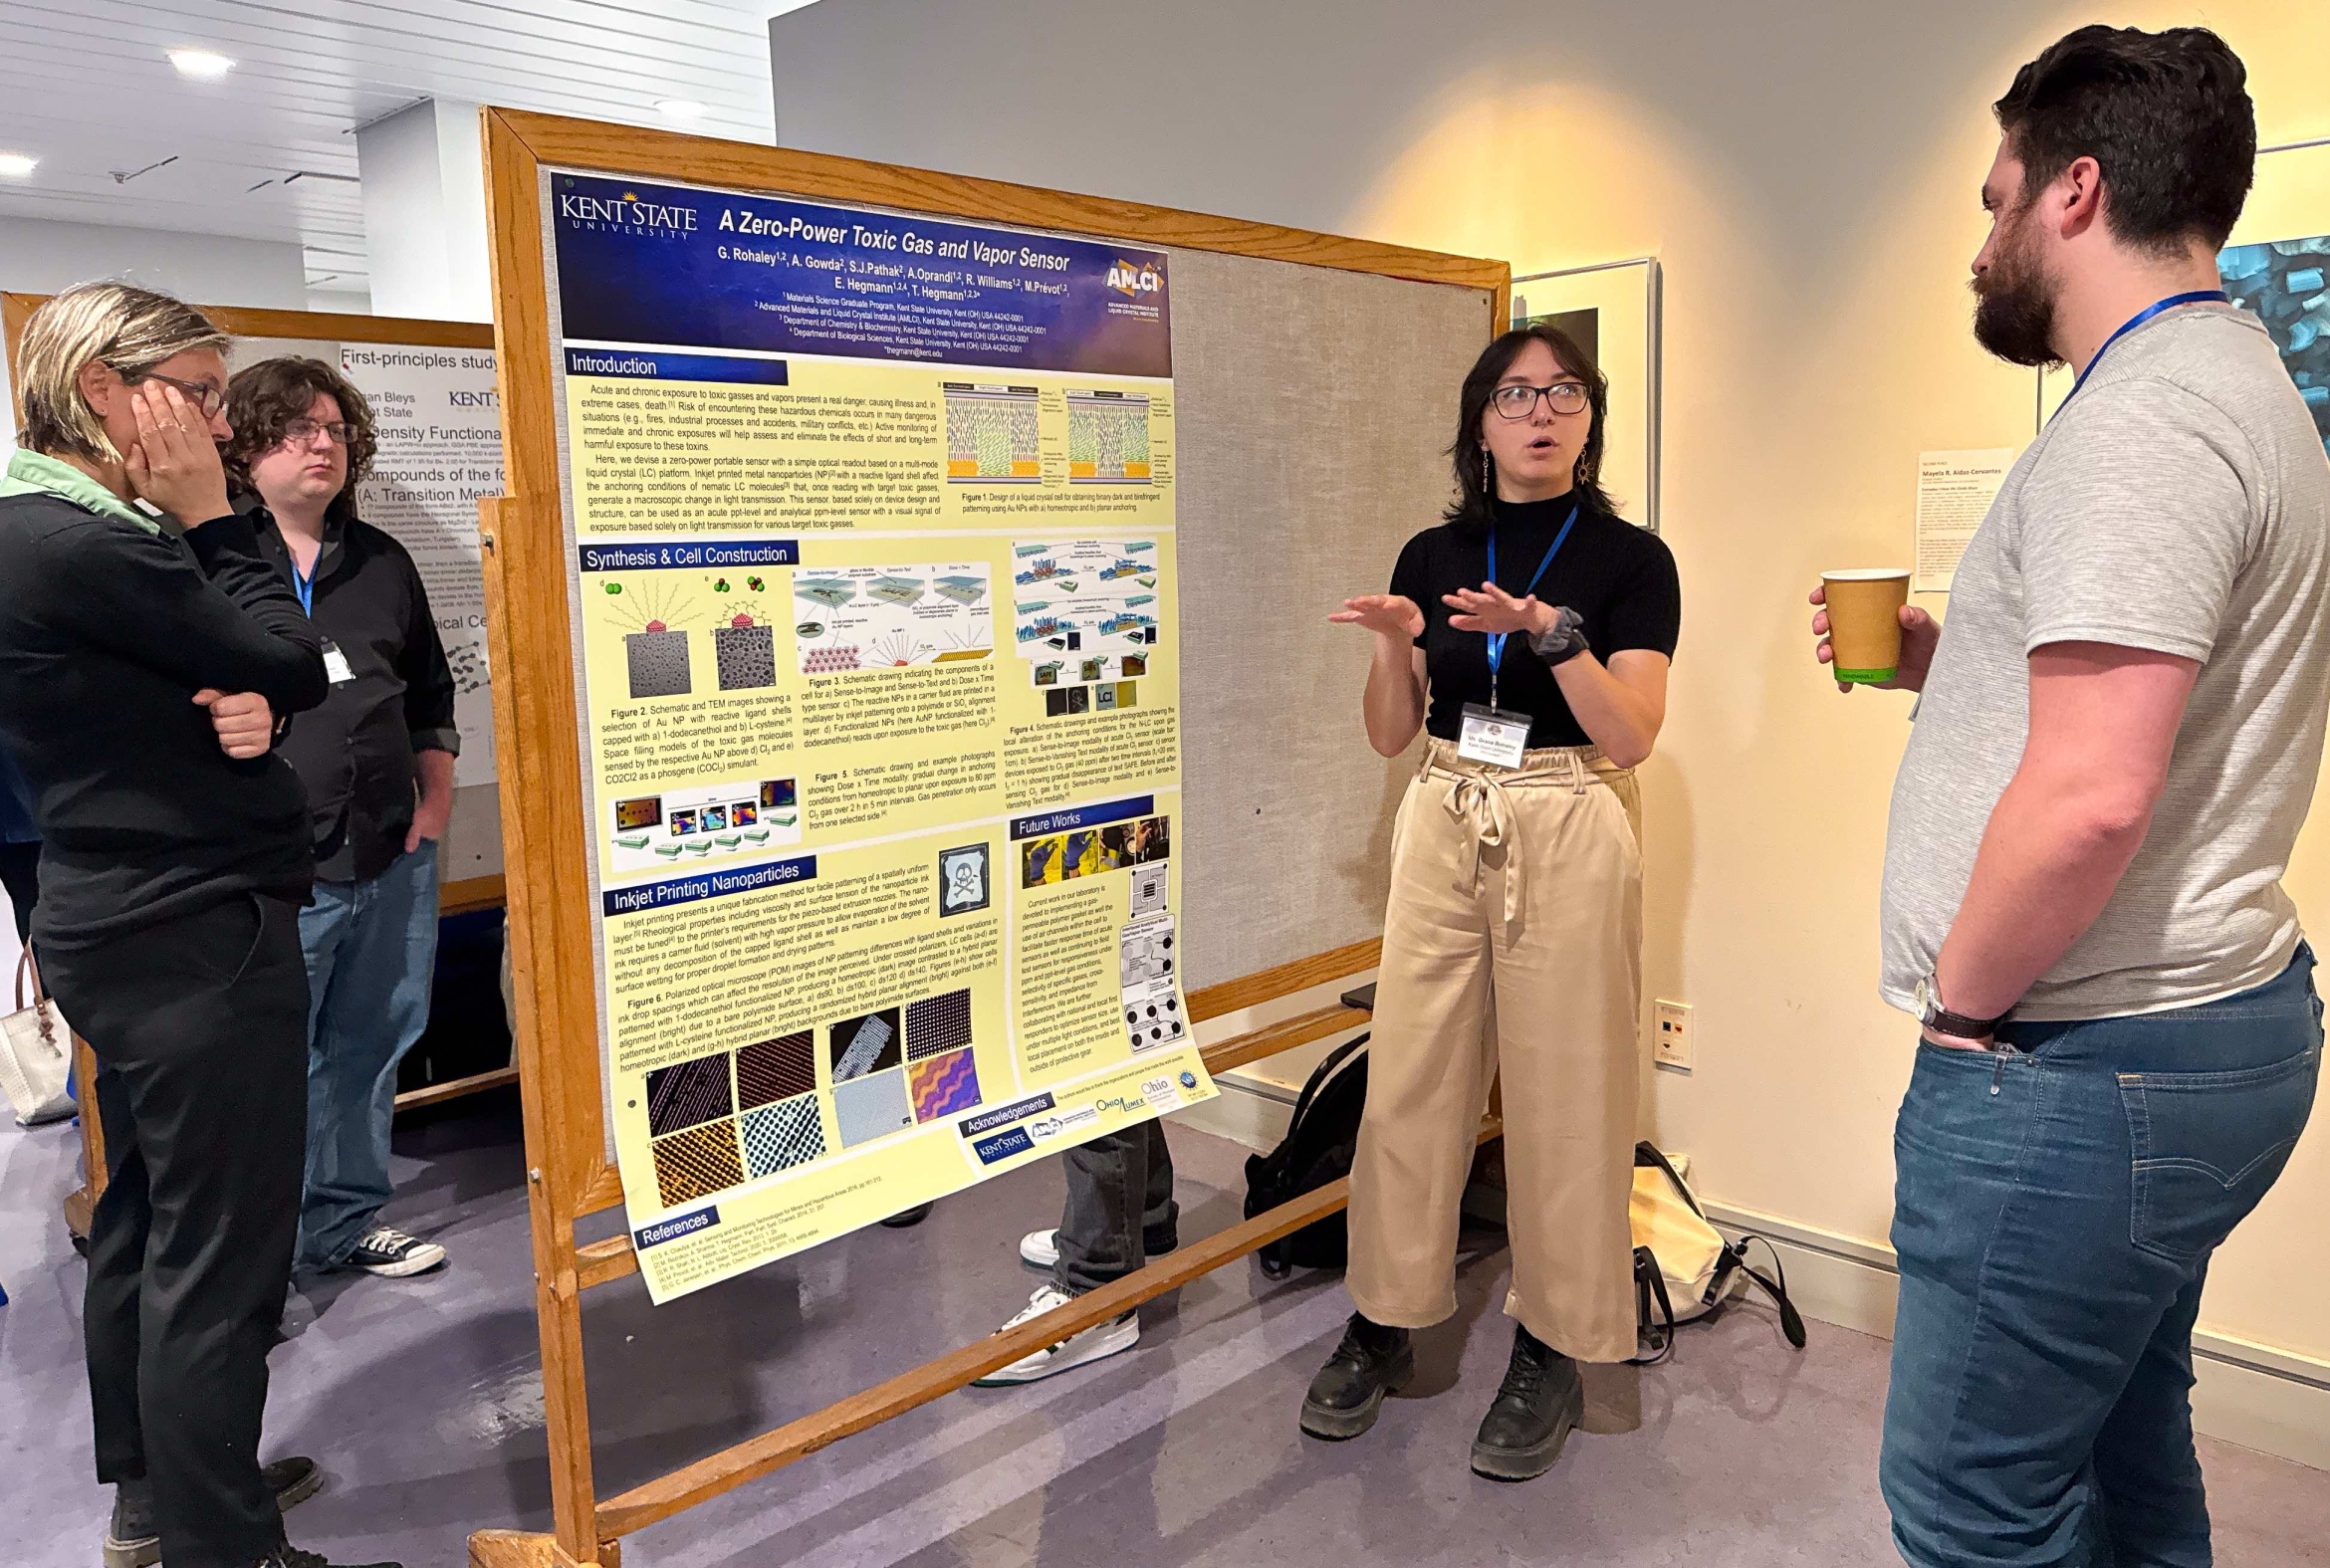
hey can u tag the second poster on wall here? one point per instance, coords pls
(875, 592)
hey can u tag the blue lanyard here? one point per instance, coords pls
(305, 588)
(1496, 638)
(2197, 297)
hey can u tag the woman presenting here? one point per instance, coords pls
(1531, 635)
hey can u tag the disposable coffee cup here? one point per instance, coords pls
(1864, 621)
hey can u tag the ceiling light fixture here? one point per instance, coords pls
(202, 65)
(16, 166)
(679, 109)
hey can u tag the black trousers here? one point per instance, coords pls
(201, 1027)
(20, 874)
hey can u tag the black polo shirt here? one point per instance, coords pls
(355, 753)
(1622, 578)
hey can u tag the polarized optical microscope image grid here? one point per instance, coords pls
(687, 1093)
(943, 1086)
(942, 1023)
(779, 1137)
(2287, 284)
(776, 1069)
(697, 1163)
(864, 1045)
(869, 1108)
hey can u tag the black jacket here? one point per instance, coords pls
(354, 752)
(106, 631)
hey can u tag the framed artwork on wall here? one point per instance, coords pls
(2277, 265)
(1611, 309)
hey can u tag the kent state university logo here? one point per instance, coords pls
(626, 214)
(1133, 281)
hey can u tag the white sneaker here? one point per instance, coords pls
(1039, 1248)
(1094, 1344)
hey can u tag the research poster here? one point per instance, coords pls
(437, 414)
(873, 587)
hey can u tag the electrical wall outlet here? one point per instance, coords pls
(1670, 1032)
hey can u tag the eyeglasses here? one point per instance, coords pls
(301, 431)
(1518, 402)
(207, 398)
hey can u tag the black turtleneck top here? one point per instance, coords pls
(1621, 577)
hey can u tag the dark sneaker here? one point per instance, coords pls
(909, 1216)
(289, 1556)
(387, 1250)
(1541, 1401)
(131, 1541)
(1346, 1396)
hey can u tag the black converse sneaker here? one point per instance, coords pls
(385, 1250)
(131, 1541)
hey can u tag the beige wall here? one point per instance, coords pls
(1808, 173)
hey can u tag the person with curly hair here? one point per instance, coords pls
(377, 761)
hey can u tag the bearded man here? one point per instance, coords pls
(2114, 750)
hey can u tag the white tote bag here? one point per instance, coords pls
(36, 1053)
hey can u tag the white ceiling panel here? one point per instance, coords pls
(269, 150)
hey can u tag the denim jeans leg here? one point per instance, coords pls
(2153, 1509)
(2054, 1211)
(324, 930)
(1101, 1223)
(377, 1008)
(1160, 1214)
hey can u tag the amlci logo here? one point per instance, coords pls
(1133, 282)
(489, 398)
(640, 217)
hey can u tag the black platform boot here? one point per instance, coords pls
(1372, 1361)
(1532, 1417)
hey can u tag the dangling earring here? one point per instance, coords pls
(1485, 461)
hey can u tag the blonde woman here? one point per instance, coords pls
(148, 653)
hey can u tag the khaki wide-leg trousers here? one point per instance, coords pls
(1513, 944)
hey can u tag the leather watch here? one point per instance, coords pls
(1957, 1025)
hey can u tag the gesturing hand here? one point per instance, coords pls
(244, 722)
(1493, 609)
(1385, 614)
(175, 463)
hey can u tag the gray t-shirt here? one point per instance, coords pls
(2179, 503)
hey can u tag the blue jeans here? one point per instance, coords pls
(2054, 1211)
(371, 951)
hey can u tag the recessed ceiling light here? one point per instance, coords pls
(202, 65)
(15, 165)
(679, 109)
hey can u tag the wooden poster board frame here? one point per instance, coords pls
(454, 898)
(538, 727)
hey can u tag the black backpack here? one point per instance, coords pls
(1316, 1150)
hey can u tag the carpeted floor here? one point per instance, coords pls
(422, 1399)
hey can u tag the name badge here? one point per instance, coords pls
(1496, 736)
(336, 666)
